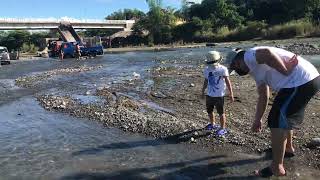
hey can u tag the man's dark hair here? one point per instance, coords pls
(240, 54)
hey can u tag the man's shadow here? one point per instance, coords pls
(203, 168)
(174, 139)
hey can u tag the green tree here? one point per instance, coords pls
(15, 39)
(276, 11)
(312, 10)
(126, 14)
(37, 38)
(220, 12)
(158, 22)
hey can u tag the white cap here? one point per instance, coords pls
(213, 57)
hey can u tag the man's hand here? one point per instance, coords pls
(263, 91)
(291, 64)
(231, 98)
(256, 126)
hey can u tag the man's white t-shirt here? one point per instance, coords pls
(216, 83)
(264, 74)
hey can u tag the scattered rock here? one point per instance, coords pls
(193, 140)
(314, 143)
(136, 75)
(303, 48)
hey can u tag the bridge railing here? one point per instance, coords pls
(65, 19)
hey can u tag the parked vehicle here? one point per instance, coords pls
(88, 46)
(69, 50)
(92, 51)
(4, 54)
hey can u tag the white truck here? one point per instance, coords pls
(4, 54)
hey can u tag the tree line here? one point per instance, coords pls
(224, 20)
(209, 21)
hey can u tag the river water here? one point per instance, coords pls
(38, 144)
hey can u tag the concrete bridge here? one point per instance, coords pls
(52, 23)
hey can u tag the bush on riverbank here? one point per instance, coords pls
(194, 31)
(292, 29)
(261, 30)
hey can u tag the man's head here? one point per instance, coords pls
(213, 58)
(235, 59)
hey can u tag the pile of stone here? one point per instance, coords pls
(50, 102)
(125, 113)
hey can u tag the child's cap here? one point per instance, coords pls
(213, 57)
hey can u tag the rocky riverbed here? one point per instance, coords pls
(171, 108)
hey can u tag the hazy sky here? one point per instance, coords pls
(90, 9)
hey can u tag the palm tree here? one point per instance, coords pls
(154, 4)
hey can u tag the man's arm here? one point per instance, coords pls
(263, 91)
(265, 56)
(229, 86)
(204, 87)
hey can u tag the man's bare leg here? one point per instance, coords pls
(289, 146)
(278, 143)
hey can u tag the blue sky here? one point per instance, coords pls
(90, 9)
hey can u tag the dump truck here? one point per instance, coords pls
(69, 39)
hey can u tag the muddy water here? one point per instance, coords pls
(37, 144)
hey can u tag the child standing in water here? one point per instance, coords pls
(216, 81)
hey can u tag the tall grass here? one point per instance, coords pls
(259, 29)
(291, 29)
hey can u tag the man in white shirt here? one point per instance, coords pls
(216, 82)
(295, 79)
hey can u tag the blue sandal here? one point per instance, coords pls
(221, 132)
(211, 127)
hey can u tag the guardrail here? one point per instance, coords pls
(71, 20)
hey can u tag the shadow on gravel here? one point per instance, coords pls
(174, 139)
(195, 169)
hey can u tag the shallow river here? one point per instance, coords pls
(38, 144)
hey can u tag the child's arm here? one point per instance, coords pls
(204, 87)
(229, 86)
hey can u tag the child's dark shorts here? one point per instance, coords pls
(288, 108)
(215, 102)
